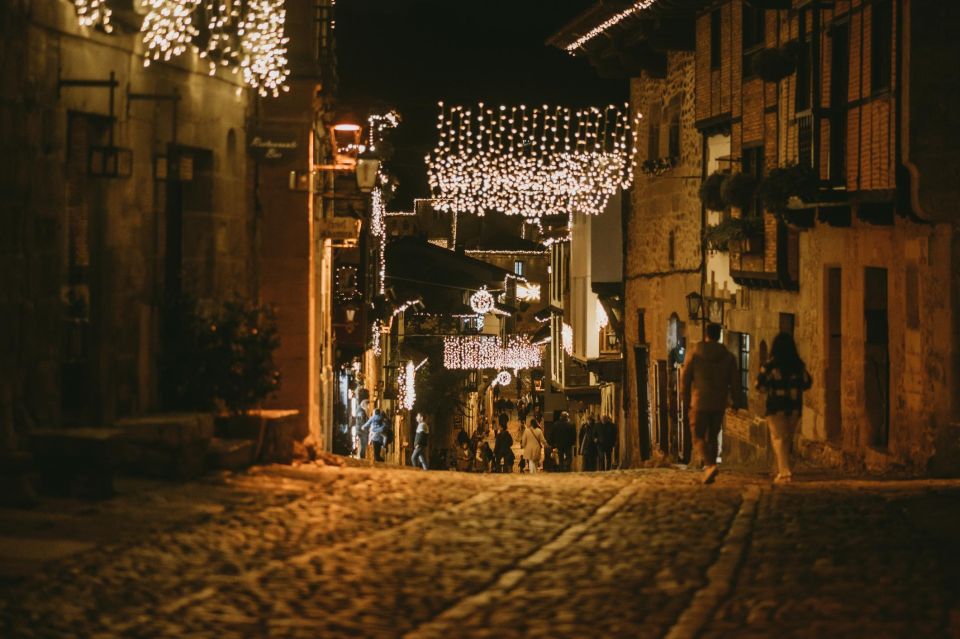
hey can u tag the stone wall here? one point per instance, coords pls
(124, 217)
(665, 210)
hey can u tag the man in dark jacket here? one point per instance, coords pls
(564, 436)
(710, 379)
(590, 443)
(503, 450)
(609, 435)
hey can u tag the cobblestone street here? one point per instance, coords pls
(358, 552)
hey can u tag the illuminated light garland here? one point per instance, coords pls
(406, 385)
(468, 352)
(638, 6)
(168, 28)
(482, 301)
(532, 162)
(503, 378)
(252, 42)
(91, 13)
(566, 336)
(602, 319)
(528, 292)
(375, 338)
(378, 229)
(378, 125)
(264, 47)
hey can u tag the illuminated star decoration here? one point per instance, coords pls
(503, 378)
(250, 41)
(470, 352)
(482, 301)
(532, 162)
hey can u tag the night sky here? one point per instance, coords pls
(408, 54)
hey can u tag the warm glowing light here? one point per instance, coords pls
(602, 319)
(482, 301)
(566, 336)
(468, 352)
(406, 383)
(640, 5)
(528, 292)
(346, 127)
(532, 162)
(92, 13)
(503, 378)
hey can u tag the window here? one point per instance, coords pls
(753, 164)
(753, 36)
(839, 85)
(881, 42)
(673, 120)
(653, 133)
(740, 345)
(518, 268)
(672, 248)
(715, 35)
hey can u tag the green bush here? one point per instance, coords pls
(223, 358)
(733, 229)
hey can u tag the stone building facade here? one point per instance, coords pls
(86, 258)
(862, 271)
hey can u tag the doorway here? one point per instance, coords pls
(877, 356)
(834, 369)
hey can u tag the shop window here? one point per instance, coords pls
(881, 42)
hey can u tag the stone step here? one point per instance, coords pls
(230, 454)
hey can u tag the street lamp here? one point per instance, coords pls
(694, 305)
(368, 166)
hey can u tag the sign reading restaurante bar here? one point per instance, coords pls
(274, 146)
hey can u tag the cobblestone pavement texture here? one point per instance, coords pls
(359, 552)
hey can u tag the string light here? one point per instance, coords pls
(566, 336)
(375, 338)
(468, 352)
(406, 385)
(602, 319)
(640, 5)
(92, 13)
(532, 162)
(482, 301)
(503, 378)
(264, 47)
(251, 42)
(378, 229)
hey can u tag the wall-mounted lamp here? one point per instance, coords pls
(695, 305)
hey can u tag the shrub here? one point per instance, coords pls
(733, 229)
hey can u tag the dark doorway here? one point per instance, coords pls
(641, 356)
(834, 369)
(80, 293)
(663, 414)
(877, 356)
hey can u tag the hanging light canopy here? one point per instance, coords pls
(531, 161)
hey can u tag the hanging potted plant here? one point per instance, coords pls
(711, 192)
(738, 190)
(733, 232)
(786, 183)
(774, 64)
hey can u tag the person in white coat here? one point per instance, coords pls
(533, 443)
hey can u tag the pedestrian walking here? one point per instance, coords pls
(420, 441)
(564, 439)
(710, 380)
(783, 378)
(609, 437)
(377, 426)
(503, 450)
(464, 458)
(590, 443)
(533, 444)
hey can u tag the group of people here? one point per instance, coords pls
(711, 379)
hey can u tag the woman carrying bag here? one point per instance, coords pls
(783, 378)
